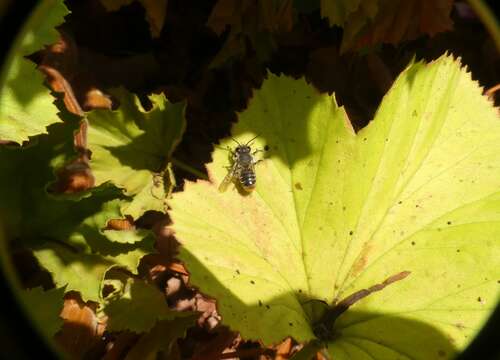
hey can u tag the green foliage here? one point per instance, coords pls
(26, 105)
(69, 237)
(44, 307)
(131, 148)
(138, 307)
(336, 212)
(160, 338)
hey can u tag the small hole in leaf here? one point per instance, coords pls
(449, 222)
(351, 232)
(413, 242)
(479, 299)
(252, 282)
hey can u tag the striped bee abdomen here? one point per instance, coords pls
(247, 179)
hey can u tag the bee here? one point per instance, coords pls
(243, 167)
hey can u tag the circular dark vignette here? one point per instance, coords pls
(15, 324)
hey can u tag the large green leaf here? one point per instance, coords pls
(334, 212)
(131, 147)
(138, 308)
(69, 236)
(26, 104)
(84, 272)
(44, 307)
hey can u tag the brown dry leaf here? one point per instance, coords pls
(121, 224)
(156, 11)
(74, 177)
(396, 21)
(283, 349)
(81, 330)
(252, 20)
(213, 349)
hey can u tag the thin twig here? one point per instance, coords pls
(488, 19)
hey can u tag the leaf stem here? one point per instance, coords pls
(188, 168)
(488, 19)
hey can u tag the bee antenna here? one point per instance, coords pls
(236, 141)
(251, 140)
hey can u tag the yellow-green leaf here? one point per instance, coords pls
(334, 212)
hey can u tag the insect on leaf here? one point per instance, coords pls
(413, 197)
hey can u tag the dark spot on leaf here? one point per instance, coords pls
(459, 285)
(260, 303)
(308, 97)
(400, 202)
(438, 229)
(479, 299)
(417, 206)
(386, 139)
(300, 291)
(498, 281)
(268, 307)
(413, 242)
(414, 113)
(298, 186)
(338, 161)
(320, 228)
(336, 141)
(449, 222)
(252, 282)
(364, 139)
(442, 353)
(351, 232)
(330, 203)
(343, 208)
(237, 271)
(266, 148)
(291, 324)
(458, 250)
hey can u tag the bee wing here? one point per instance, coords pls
(229, 177)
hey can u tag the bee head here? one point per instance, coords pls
(243, 149)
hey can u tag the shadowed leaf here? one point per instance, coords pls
(131, 148)
(26, 104)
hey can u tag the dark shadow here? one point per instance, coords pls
(355, 331)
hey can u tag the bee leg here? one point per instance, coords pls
(257, 151)
(257, 161)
